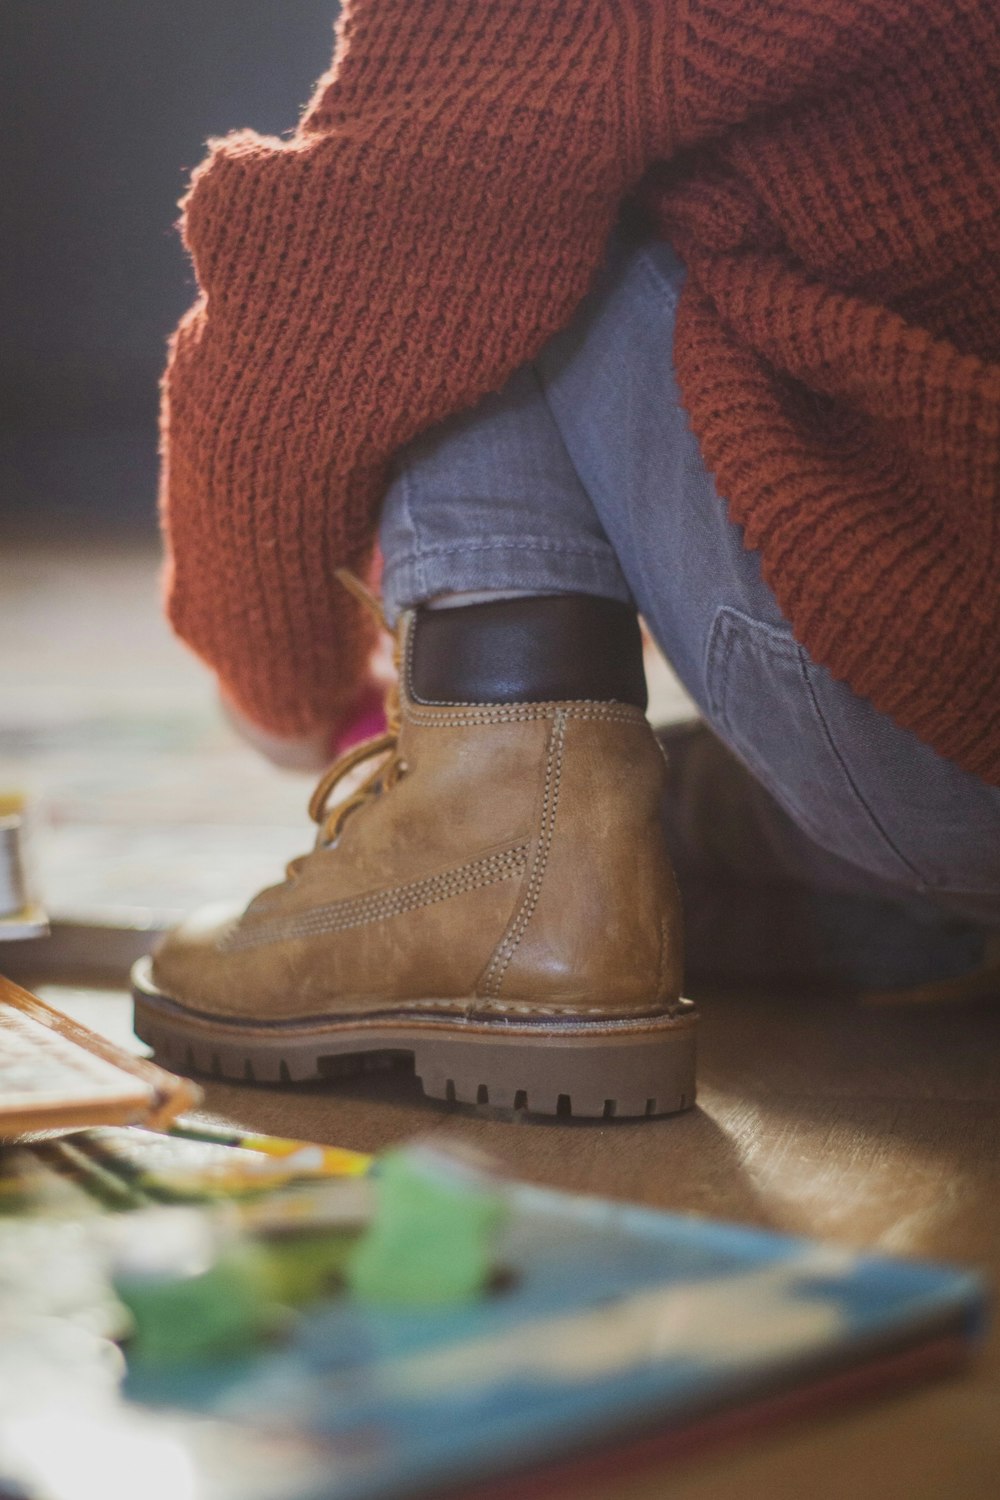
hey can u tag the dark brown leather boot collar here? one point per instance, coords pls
(550, 648)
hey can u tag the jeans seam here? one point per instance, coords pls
(788, 647)
(416, 556)
(611, 557)
(862, 801)
(666, 290)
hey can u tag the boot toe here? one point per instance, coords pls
(186, 958)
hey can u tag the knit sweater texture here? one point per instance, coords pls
(829, 170)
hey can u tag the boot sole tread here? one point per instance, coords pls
(609, 1068)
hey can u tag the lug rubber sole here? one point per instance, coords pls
(631, 1068)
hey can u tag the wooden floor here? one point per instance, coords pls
(875, 1128)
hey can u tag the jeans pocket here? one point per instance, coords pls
(762, 702)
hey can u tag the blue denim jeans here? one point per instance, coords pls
(583, 475)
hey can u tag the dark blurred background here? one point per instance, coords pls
(105, 106)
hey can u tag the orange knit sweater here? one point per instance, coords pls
(830, 172)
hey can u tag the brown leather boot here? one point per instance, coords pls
(496, 900)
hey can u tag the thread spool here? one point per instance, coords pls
(13, 886)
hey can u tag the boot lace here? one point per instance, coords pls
(390, 767)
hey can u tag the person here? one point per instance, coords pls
(598, 307)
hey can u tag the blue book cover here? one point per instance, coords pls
(607, 1325)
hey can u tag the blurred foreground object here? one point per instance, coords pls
(56, 1074)
(432, 1241)
(231, 1328)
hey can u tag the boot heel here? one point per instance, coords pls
(592, 1072)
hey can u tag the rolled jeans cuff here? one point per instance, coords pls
(532, 565)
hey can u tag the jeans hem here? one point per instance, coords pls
(503, 566)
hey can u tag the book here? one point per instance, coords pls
(606, 1330)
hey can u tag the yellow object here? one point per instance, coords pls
(305, 1157)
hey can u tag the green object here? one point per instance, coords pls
(432, 1238)
(308, 1265)
(196, 1302)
